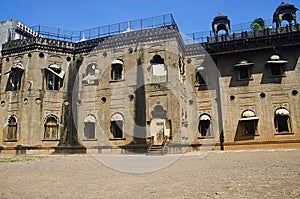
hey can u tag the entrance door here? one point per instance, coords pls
(157, 130)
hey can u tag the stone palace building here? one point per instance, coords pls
(141, 86)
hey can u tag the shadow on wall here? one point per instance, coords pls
(240, 133)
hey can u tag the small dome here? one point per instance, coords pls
(275, 58)
(243, 62)
(221, 16)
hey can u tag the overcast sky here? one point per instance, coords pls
(190, 15)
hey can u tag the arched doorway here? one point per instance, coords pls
(158, 128)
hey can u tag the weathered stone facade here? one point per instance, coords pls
(129, 91)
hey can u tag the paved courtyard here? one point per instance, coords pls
(229, 174)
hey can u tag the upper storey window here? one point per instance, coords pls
(54, 77)
(158, 69)
(117, 70)
(276, 66)
(244, 69)
(15, 77)
(201, 75)
(90, 77)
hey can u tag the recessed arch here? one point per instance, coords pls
(51, 127)
(282, 120)
(90, 127)
(204, 126)
(117, 125)
(117, 70)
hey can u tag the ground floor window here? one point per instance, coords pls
(117, 125)
(12, 128)
(117, 129)
(282, 120)
(282, 124)
(249, 122)
(249, 127)
(89, 130)
(204, 125)
(90, 127)
(51, 128)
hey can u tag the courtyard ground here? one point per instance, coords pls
(229, 174)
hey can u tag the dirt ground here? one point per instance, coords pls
(231, 174)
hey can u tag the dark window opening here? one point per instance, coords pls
(244, 73)
(249, 127)
(282, 123)
(14, 80)
(51, 129)
(53, 82)
(54, 77)
(117, 129)
(200, 79)
(117, 72)
(159, 112)
(276, 70)
(204, 128)
(12, 129)
(157, 60)
(89, 130)
(90, 69)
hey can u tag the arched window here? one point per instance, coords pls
(117, 70)
(201, 76)
(89, 127)
(12, 128)
(51, 128)
(54, 77)
(204, 125)
(158, 70)
(116, 125)
(282, 120)
(15, 76)
(249, 122)
(91, 75)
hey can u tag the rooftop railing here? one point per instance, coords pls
(103, 31)
(238, 31)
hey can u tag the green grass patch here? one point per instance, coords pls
(20, 158)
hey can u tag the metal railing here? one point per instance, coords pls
(103, 31)
(237, 31)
